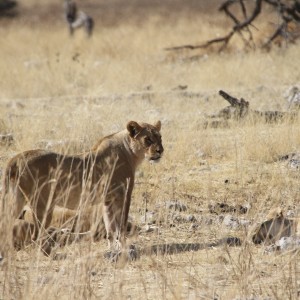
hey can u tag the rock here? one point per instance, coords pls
(59, 256)
(128, 255)
(290, 214)
(6, 139)
(176, 205)
(148, 228)
(225, 208)
(193, 227)
(292, 95)
(243, 209)
(293, 160)
(232, 241)
(200, 154)
(294, 164)
(180, 87)
(205, 220)
(286, 243)
(178, 218)
(191, 218)
(269, 249)
(42, 280)
(231, 221)
(244, 222)
(149, 218)
(293, 212)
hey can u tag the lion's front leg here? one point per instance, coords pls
(42, 207)
(115, 216)
(111, 220)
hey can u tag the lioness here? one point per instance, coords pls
(44, 179)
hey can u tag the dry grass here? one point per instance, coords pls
(53, 88)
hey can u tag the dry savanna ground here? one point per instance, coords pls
(64, 94)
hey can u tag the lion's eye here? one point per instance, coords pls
(148, 141)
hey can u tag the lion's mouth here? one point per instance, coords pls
(155, 159)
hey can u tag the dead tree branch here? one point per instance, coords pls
(224, 39)
(240, 109)
(233, 101)
(287, 12)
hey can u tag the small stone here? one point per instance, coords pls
(43, 280)
(288, 243)
(270, 249)
(244, 222)
(294, 164)
(6, 139)
(205, 220)
(133, 253)
(59, 256)
(243, 209)
(178, 218)
(193, 227)
(233, 241)
(191, 218)
(149, 218)
(290, 214)
(176, 205)
(231, 221)
(148, 228)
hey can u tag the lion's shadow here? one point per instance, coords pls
(175, 248)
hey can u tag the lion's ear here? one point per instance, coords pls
(158, 125)
(133, 128)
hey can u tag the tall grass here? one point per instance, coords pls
(65, 94)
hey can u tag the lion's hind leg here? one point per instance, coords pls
(22, 233)
(42, 216)
(14, 202)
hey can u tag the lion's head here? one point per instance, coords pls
(146, 138)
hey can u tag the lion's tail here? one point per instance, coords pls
(10, 177)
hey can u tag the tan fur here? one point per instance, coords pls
(43, 179)
(65, 218)
(274, 228)
(79, 224)
(275, 212)
(22, 231)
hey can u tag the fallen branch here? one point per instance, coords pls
(224, 39)
(239, 109)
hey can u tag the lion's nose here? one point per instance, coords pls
(160, 149)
